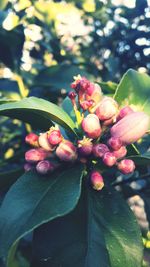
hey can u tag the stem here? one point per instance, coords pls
(22, 89)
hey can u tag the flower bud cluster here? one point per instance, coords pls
(105, 130)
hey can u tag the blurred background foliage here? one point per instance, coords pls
(43, 44)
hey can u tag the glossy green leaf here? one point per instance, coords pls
(101, 231)
(134, 88)
(38, 112)
(34, 200)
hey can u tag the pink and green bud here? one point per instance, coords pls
(28, 167)
(107, 108)
(36, 154)
(85, 146)
(91, 126)
(114, 143)
(99, 150)
(44, 142)
(131, 128)
(126, 166)
(124, 112)
(97, 180)
(44, 167)
(109, 159)
(120, 153)
(54, 137)
(66, 151)
(32, 139)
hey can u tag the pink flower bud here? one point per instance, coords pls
(91, 126)
(28, 167)
(66, 151)
(54, 137)
(124, 112)
(120, 153)
(44, 167)
(131, 128)
(86, 104)
(126, 166)
(107, 108)
(80, 83)
(85, 146)
(99, 150)
(97, 180)
(35, 155)
(115, 143)
(94, 93)
(44, 142)
(72, 95)
(109, 159)
(32, 139)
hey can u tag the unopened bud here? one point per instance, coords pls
(120, 153)
(107, 108)
(131, 128)
(44, 142)
(94, 93)
(32, 139)
(99, 150)
(124, 112)
(115, 143)
(66, 151)
(44, 167)
(85, 146)
(97, 180)
(28, 167)
(126, 166)
(72, 95)
(86, 104)
(35, 155)
(109, 159)
(54, 137)
(91, 126)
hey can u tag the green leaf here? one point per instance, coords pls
(121, 231)
(101, 231)
(108, 87)
(59, 76)
(3, 4)
(38, 112)
(7, 178)
(134, 89)
(142, 159)
(34, 200)
(16, 38)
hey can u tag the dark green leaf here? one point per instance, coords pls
(38, 112)
(101, 231)
(59, 77)
(142, 159)
(11, 47)
(34, 200)
(134, 88)
(7, 178)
